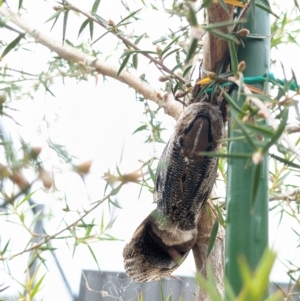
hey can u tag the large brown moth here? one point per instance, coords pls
(184, 180)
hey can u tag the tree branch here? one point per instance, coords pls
(216, 257)
(214, 51)
(290, 195)
(118, 34)
(292, 128)
(72, 54)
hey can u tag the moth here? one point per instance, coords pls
(185, 176)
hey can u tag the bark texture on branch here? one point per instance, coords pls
(172, 107)
(214, 48)
(216, 257)
(214, 51)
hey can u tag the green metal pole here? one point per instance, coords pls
(247, 227)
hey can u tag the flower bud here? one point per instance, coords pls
(163, 78)
(261, 114)
(180, 94)
(211, 75)
(57, 7)
(241, 66)
(111, 22)
(84, 167)
(257, 157)
(18, 179)
(246, 118)
(243, 32)
(35, 151)
(2, 98)
(46, 178)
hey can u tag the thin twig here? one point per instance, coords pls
(72, 54)
(290, 195)
(292, 128)
(50, 237)
(126, 41)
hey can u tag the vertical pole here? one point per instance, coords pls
(247, 227)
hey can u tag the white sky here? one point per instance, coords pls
(95, 122)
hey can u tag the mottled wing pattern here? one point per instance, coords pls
(184, 180)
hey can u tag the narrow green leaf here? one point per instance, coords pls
(260, 281)
(118, 171)
(162, 297)
(137, 51)
(102, 222)
(231, 155)
(213, 237)
(5, 248)
(232, 102)
(169, 45)
(152, 175)
(252, 8)
(240, 86)
(192, 16)
(229, 291)
(48, 248)
(116, 190)
(123, 65)
(26, 198)
(55, 15)
(12, 45)
(54, 23)
(266, 3)
(128, 17)
(265, 131)
(166, 49)
(100, 19)
(138, 39)
(47, 89)
(224, 6)
(141, 128)
(285, 161)
(297, 4)
(65, 25)
(245, 271)
(171, 52)
(209, 285)
(91, 25)
(277, 296)
(279, 131)
(243, 127)
(114, 204)
(135, 61)
(83, 26)
(268, 10)
(94, 257)
(220, 216)
(36, 287)
(222, 24)
(205, 3)
(186, 70)
(233, 57)
(95, 6)
(192, 49)
(19, 6)
(224, 36)
(255, 182)
(175, 68)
